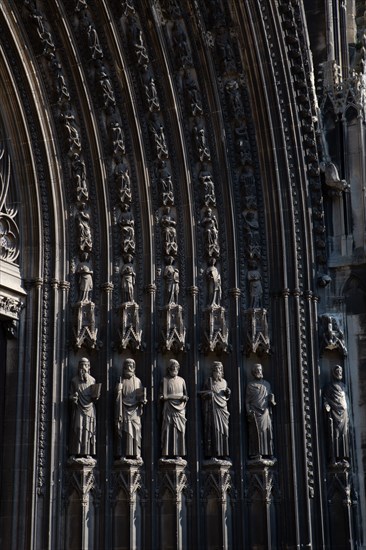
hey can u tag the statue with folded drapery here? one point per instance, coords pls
(130, 400)
(259, 403)
(84, 392)
(173, 396)
(215, 396)
(337, 417)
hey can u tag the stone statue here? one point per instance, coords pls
(166, 182)
(127, 224)
(259, 403)
(79, 174)
(128, 279)
(209, 222)
(117, 137)
(193, 96)
(213, 284)
(337, 419)
(202, 148)
(171, 276)
(152, 95)
(83, 394)
(333, 335)
(94, 43)
(173, 396)
(158, 132)
(170, 233)
(85, 234)
(255, 288)
(85, 282)
(215, 396)
(130, 399)
(123, 182)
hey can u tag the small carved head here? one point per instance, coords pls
(337, 372)
(257, 371)
(217, 370)
(173, 368)
(84, 368)
(129, 367)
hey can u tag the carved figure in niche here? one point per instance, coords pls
(123, 182)
(152, 95)
(332, 178)
(73, 135)
(85, 236)
(173, 396)
(243, 145)
(85, 283)
(128, 230)
(94, 43)
(79, 174)
(128, 278)
(166, 184)
(84, 392)
(213, 284)
(333, 336)
(205, 177)
(109, 101)
(232, 88)
(170, 233)
(337, 418)
(255, 287)
(130, 399)
(203, 151)
(171, 276)
(127, 7)
(140, 50)
(117, 137)
(210, 225)
(181, 47)
(259, 403)
(45, 36)
(159, 137)
(62, 91)
(225, 51)
(251, 228)
(193, 95)
(215, 396)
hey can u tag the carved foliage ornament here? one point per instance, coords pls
(9, 232)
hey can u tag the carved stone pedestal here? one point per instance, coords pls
(173, 496)
(128, 500)
(260, 482)
(257, 338)
(339, 497)
(215, 330)
(84, 328)
(82, 500)
(173, 332)
(217, 497)
(129, 326)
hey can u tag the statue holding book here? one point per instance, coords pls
(84, 392)
(130, 399)
(173, 396)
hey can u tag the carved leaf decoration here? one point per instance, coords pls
(9, 232)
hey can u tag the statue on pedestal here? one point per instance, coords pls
(215, 396)
(259, 403)
(130, 399)
(337, 418)
(84, 392)
(173, 395)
